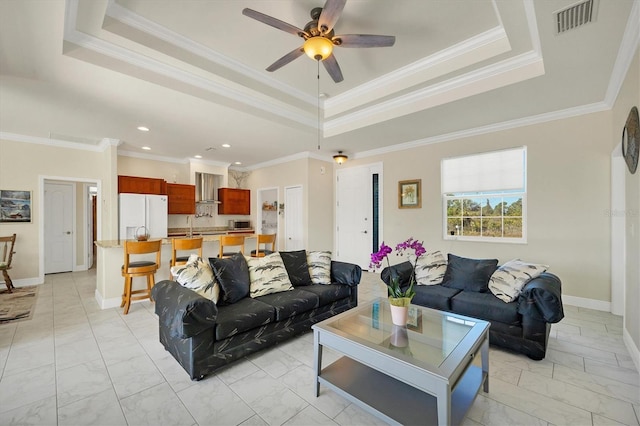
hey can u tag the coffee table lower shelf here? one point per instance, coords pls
(394, 401)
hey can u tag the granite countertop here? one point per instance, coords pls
(167, 241)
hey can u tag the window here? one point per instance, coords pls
(484, 196)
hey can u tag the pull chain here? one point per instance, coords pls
(318, 105)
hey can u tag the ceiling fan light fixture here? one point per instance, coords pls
(340, 158)
(318, 48)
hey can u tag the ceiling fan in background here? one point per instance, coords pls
(319, 38)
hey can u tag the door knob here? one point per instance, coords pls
(364, 232)
(68, 232)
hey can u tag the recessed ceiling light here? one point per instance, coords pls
(198, 156)
(237, 163)
(226, 145)
(143, 128)
(146, 148)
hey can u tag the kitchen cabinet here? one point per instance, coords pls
(141, 185)
(182, 198)
(234, 201)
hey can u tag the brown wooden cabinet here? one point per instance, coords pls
(234, 201)
(182, 198)
(141, 185)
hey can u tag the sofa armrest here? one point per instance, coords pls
(403, 271)
(345, 273)
(183, 311)
(541, 298)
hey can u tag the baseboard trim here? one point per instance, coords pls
(581, 302)
(631, 347)
(23, 282)
(114, 302)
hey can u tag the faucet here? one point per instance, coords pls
(190, 223)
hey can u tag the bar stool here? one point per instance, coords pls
(183, 244)
(231, 241)
(264, 240)
(140, 268)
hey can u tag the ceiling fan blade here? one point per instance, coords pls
(275, 23)
(330, 14)
(364, 40)
(332, 67)
(286, 59)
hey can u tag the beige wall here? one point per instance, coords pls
(21, 166)
(568, 199)
(628, 97)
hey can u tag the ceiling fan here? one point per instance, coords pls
(319, 37)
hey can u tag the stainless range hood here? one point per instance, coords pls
(207, 188)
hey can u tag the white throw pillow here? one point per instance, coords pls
(197, 275)
(267, 275)
(319, 266)
(430, 268)
(507, 281)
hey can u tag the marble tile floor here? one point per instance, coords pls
(74, 364)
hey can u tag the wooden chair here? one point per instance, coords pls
(6, 255)
(264, 240)
(140, 268)
(231, 241)
(183, 244)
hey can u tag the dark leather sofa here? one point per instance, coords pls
(204, 337)
(522, 325)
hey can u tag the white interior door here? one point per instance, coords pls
(59, 208)
(354, 231)
(293, 227)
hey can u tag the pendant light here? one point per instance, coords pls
(340, 158)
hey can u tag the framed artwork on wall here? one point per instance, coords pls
(15, 206)
(410, 194)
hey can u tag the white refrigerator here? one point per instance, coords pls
(136, 210)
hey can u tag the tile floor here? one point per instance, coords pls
(74, 364)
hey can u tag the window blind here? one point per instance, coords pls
(490, 171)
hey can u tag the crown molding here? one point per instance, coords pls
(127, 17)
(58, 143)
(626, 52)
(299, 156)
(492, 128)
(144, 156)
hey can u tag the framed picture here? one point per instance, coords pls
(15, 206)
(409, 194)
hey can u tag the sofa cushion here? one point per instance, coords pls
(329, 293)
(290, 303)
(197, 275)
(434, 296)
(319, 266)
(430, 268)
(267, 275)
(469, 274)
(485, 306)
(297, 267)
(232, 274)
(507, 281)
(245, 314)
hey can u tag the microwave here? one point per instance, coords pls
(240, 224)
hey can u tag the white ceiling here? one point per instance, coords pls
(193, 71)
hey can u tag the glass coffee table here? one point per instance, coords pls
(419, 374)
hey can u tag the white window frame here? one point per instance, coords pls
(497, 192)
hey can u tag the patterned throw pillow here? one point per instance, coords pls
(507, 281)
(296, 264)
(197, 275)
(430, 268)
(233, 276)
(268, 275)
(319, 266)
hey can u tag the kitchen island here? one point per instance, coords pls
(110, 256)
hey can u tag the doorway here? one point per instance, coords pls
(293, 224)
(59, 227)
(358, 213)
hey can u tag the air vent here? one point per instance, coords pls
(575, 16)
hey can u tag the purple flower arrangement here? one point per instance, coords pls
(378, 257)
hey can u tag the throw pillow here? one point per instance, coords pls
(233, 276)
(469, 274)
(319, 266)
(197, 275)
(268, 275)
(296, 264)
(507, 281)
(430, 268)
